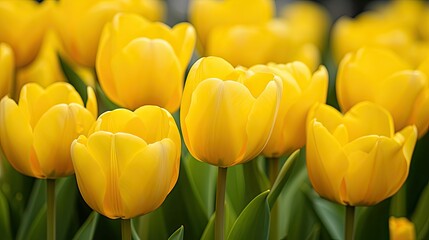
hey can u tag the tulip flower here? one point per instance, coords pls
(401, 229)
(7, 69)
(45, 69)
(227, 114)
(301, 89)
(210, 14)
(79, 23)
(248, 45)
(22, 26)
(382, 77)
(36, 133)
(129, 161)
(357, 159)
(143, 63)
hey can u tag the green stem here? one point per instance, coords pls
(51, 209)
(350, 218)
(126, 229)
(273, 170)
(220, 203)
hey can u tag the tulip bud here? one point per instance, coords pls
(7, 69)
(143, 63)
(227, 114)
(380, 76)
(357, 159)
(401, 229)
(36, 133)
(129, 162)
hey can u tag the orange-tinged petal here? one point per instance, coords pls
(90, 176)
(326, 162)
(358, 118)
(54, 133)
(148, 178)
(216, 121)
(156, 82)
(16, 136)
(398, 94)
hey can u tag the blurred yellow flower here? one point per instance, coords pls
(79, 23)
(141, 62)
(227, 114)
(357, 159)
(207, 15)
(22, 26)
(129, 162)
(380, 76)
(7, 69)
(401, 229)
(301, 90)
(36, 133)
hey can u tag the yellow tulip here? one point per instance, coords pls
(141, 62)
(79, 23)
(227, 114)
(357, 159)
(207, 15)
(380, 76)
(45, 69)
(309, 20)
(301, 89)
(401, 229)
(36, 133)
(248, 45)
(129, 162)
(7, 69)
(22, 26)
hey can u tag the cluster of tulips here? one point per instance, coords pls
(99, 93)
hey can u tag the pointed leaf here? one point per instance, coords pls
(230, 217)
(4, 218)
(254, 220)
(151, 225)
(178, 234)
(421, 216)
(86, 231)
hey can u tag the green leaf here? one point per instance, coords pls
(230, 217)
(4, 218)
(105, 103)
(151, 225)
(254, 220)
(330, 214)
(421, 216)
(178, 234)
(74, 79)
(373, 222)
(86, 231)
(134, 234)
(315, 233)
(282, 178)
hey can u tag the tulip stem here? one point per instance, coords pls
(273, 170)
(51, 209)
(126, 229)
(220, 203)
(350, 218)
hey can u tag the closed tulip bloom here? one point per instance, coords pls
(7, 69)
(143, 63)
(301, 90)
(227, 114)
(22, 26)
(382, 77)
(401, 229)
(129, 162)
(79, 23)
(36, 133)
(357, 159)
(207, 15)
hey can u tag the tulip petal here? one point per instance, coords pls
(16, 137)
(28, 96)
(54, 133)
(156, 83)
(420, 115)
(90, 176)
(327, 115)
(114, 121)
(398, 94)
(216, 121)
(360, 115)
(148, 178)
(91, 103)
(185, 38)
(326, 162)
